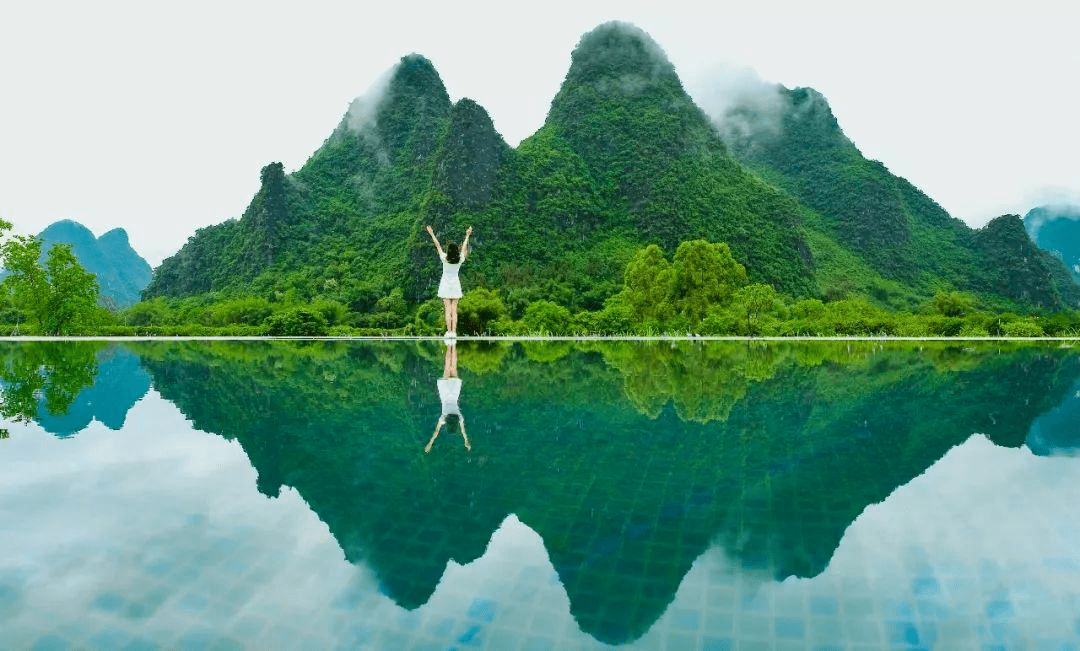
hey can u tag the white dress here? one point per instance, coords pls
(449, 390)
(450, 285)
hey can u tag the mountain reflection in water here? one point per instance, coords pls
(611, 469)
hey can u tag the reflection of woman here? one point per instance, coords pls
(449, 390)
(450, 285)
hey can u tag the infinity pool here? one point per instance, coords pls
(539, 495)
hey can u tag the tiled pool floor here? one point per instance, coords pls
(238, 505)
(195, 559)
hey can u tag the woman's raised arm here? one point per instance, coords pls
(434, 239)
(465, 243)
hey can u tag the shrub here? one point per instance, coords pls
(429, 317)
(547, 318)
(1021, 328)
(297, 322)
(946, 326)
(249, 310)
(146, 313)
(478, 309)
(333, 311)
(616, 318)
(973, 330)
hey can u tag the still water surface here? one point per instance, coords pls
(591, 495)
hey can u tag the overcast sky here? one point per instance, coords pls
(158, 117)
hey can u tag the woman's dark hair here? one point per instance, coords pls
(452, 421)
(453, 253)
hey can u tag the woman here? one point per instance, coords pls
(450, 285)
(449, 391)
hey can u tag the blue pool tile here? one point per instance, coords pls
(790, 627)
(538, 644)
(193, 602)
(999, 609)
(823, 605)
(109, 639)
(50, 643)
(409, 620)
(198, 640)
(827, 647)
(902, 609)
(160, 567)
(926, 588)
(755, 627)
(109, 602)
(482, 609)
(472, 636)
(717, 644)
(903, 633)
(441, 627)
(934, 612)
(359, 634)
(686, 620)
(755, 603)
(859, 607)
(825, 628)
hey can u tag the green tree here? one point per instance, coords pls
(705, 274)
(49, 371)
(953, 303)
(250, 310)
(548, 318)
(479, 308)
(298, 322)
(61, 296)
(147, 313)
(753, 301)
(647, 283)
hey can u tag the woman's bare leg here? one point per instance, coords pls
(453, 314)
(447, 315)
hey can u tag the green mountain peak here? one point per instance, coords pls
(625, 159)
(468, 162)
(620, 57)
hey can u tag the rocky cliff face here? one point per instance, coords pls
(1016, 268)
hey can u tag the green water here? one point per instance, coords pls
(653, 495)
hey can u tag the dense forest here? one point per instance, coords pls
(627, 212)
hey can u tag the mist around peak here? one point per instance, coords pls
(1037, 217)
(619, 56)
(740, 103)
(363, 111)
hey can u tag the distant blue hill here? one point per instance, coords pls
(1057, 229)
(121, 273)
(1057, 432)
(120, 383)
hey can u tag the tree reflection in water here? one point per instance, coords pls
(44, 377)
